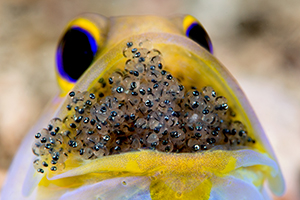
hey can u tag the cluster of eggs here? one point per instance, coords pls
(141, 106)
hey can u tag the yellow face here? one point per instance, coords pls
(145, 112)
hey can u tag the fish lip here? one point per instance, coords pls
(143, 154)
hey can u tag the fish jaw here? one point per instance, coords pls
(145, 166)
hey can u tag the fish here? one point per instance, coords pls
(145, 111)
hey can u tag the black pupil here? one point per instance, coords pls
(77, 54)
(199, 35)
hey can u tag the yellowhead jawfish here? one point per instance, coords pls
(145, 112)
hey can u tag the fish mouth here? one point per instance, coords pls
(163, 108)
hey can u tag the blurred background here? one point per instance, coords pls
(258, 41)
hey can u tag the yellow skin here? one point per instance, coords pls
(213, 174)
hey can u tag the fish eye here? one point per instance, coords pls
(76, 51)
(195, 31)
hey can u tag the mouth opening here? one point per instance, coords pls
(139, 104)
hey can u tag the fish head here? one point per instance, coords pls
(145, 111)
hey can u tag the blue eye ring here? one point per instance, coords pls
(195, 31)
(207, 39)
(90, 47)
(91, 39)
